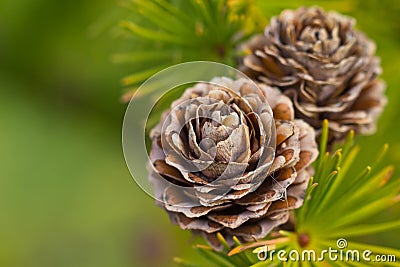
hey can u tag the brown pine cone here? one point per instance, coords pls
(324, 65)
(229, 157)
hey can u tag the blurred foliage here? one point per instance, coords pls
(66, 197)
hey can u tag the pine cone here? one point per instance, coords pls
(324, 65)
(224, 160)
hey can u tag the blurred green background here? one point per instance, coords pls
(66, 196)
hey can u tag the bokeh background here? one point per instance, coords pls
(66, 196)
